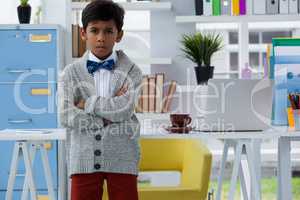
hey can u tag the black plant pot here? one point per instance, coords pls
(24, 13)
(203, 74)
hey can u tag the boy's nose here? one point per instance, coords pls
(100, 37)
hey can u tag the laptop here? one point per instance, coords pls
(235, 105)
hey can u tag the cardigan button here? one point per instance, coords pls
(97, 166)
(98, 137)
(97, 152)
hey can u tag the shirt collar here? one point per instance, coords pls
(92, 57)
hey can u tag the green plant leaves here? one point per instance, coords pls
(192, 49)
(24, 2)
(199, 47)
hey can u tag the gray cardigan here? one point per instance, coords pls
(91, 146)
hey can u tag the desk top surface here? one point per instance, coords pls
(60, 134)
(33, 134)
(274, 132)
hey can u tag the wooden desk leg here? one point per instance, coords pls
(29, 172)
(251, 149)
(47, 171)
(28, 167)
(253, 176)
(235, 171)
(244, 177)
(25, 185)
(256, 148)
(222, 170)
(12, 172)
(284, 191)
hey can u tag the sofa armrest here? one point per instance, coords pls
(196, 166)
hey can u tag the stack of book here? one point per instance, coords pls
(152, 98)
(249, 7)
(78, 45)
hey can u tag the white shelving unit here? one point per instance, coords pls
(153, 116)
(128, 6)
(149, 61)
(237, 19)
(243, 22)
(151, 6)
(252, 47)
(153, 61)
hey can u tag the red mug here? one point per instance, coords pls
(180, 120)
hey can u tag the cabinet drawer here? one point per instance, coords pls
(39, 177)
(28, 105)
(27, 50)
(20, 47)
(16, 195)
(41, 195)
(22, 73)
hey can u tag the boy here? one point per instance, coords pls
(97, 98)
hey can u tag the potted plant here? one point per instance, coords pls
(24, 12)
(199, 48)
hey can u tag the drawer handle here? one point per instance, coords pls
(41, 91)
(40, 38)
(24, 121)
(20, 175)
(18, 71)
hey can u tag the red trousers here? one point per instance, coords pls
(90, 186)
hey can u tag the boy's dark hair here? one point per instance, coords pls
(104, 10)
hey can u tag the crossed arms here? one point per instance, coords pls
(96, 112)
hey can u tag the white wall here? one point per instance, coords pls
(9, 14)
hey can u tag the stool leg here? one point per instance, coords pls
(13, 171)
(235, 171)
(47, 172)
(25, 185)
(222, 170)
(28, 167)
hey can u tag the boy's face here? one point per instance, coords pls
(101, 36)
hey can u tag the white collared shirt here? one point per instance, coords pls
(102, 76)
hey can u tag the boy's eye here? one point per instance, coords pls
(109, 31)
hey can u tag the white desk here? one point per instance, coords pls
(23, 138)
(241, 141)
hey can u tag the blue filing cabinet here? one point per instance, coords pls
(30, 59)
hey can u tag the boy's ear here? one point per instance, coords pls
(120, 36)
(83, 34)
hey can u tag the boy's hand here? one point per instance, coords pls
(80, 104)
(122, 90)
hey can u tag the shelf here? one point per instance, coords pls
(252, 25)
(252, 48)
(226, 72)
(153, 116)
(153, 61)
(236, 19)
(151, 6)
(148, 61)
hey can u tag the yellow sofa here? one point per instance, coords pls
(190, 157)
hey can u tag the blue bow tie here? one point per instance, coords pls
(93, 66)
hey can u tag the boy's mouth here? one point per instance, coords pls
(100, 47)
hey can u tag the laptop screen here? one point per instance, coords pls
(235, 105)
